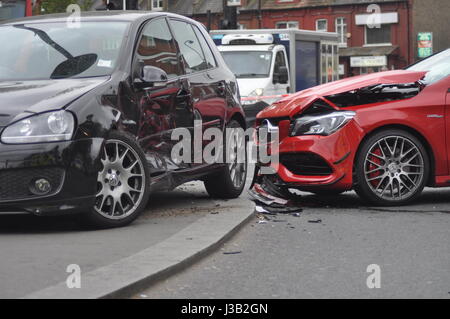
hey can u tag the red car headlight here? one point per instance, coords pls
(323, 124)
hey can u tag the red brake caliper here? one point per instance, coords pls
(372, 167)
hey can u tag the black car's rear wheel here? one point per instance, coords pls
(122, 183)
(392, 168)
(230, 181)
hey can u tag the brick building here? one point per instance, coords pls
(367, 44)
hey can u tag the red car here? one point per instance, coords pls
(386, 135)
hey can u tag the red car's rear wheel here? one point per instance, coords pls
(392, 168)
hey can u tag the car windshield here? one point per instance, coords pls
(249, 64)
(438, 67)
(58, 50)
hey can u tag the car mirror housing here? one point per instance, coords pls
(150, 77)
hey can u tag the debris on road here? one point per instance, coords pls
(271, 199)
(315, 221)
(232, 252)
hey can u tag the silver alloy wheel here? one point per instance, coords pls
(121, 181)
(237, 161)
(394, 168)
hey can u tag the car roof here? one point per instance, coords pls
(128, 16)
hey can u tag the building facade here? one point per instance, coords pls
(12, 9)
(374, 35)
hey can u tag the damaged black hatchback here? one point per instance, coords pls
(87, 109)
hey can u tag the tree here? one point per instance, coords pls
(60, 6)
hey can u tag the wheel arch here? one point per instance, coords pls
(412, 131)
(238, 117)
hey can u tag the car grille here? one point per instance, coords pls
(306, 164)
(15, 183)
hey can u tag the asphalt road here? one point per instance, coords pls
(292, 257)
(35, 252)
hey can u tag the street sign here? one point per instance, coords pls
(425, 44)
(234, 3)
(368, 61)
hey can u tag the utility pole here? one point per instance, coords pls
(260, 17)
(229, 21)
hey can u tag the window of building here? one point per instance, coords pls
(322, 25)
(378, 36)
(157, 5)
(287, 25)
(157, 48)
(190, 47)
(341, 29)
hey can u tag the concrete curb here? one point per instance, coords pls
(132, 274)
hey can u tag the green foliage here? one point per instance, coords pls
(60, 6)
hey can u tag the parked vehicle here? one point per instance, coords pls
(270, 63)
(87, 113)
(386, 134)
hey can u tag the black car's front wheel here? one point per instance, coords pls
(391, 168)
(122, 183)
(230, 181)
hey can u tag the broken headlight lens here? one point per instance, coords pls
(324, 124)
(47, 127)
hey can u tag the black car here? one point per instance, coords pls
(87, 109)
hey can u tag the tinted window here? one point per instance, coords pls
(209, 56)
(191, 51)
(157, 47)
(280, 61)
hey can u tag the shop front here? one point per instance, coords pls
(364, 60)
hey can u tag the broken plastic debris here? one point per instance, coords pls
(315, 221)
(232, 252)
(271, 198)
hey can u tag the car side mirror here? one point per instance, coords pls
(282, 76)
(151, 77)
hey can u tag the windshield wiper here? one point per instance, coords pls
(44, 37)
(248, 75)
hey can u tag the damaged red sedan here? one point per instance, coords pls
(386, 135)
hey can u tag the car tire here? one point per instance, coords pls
(391, 168)
(228, 184)
(123, 183)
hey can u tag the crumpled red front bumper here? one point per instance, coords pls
(335, 153)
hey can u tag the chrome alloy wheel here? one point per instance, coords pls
(237, 160)
(394, 168)
(121, 181)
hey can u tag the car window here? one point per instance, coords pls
(280, 61)
(38, 51)
(209, 56)
(157, 47)
(438, 67)
(190, 49)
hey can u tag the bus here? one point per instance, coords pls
(12, 9)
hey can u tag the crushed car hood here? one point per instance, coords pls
(22, 97)
(296, 103)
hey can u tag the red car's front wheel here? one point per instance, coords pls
(391, 168)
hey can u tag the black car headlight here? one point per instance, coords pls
(324, 124)
(46, 127)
